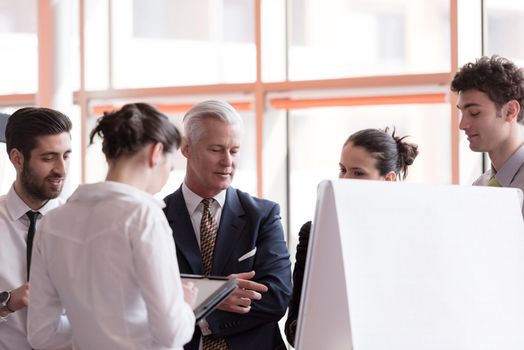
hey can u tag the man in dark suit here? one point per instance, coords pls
(219, 230)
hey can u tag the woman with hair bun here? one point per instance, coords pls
(107, 256)
(369, 154)
(375, 154)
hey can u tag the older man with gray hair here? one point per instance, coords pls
(222, 231)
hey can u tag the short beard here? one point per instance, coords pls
(33, 188)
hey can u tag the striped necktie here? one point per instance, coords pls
(208, 235)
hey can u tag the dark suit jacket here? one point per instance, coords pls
(246, 222)
(298, 278)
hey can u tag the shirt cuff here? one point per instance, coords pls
(204, 327)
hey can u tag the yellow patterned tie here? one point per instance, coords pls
(493, 182)
(208, 235)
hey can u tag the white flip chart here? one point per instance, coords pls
(402, 266)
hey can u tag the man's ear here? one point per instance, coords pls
(155, 153)
(511, 110)
(186, 146)
(17, 158)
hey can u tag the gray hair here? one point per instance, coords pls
(215, 109)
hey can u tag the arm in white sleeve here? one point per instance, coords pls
(170, 318)
(47, 326)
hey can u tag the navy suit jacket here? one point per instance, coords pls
(246, 223)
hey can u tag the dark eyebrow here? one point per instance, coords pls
(48, 154)
(469, 105)
(52, 153)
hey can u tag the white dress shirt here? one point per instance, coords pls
(14, 225)
(195, 208)
(107, 256)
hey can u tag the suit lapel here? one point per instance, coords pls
(183, 232)
(229, 231)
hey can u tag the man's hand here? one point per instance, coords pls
(190, 293)
(19, 298)
(240, 300)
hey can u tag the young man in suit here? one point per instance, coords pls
(38, 144)
(491, 100)
(222, 231)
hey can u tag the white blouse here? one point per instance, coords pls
(108, 258)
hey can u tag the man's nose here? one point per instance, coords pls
(227, 159)
(60, 167)
(463, 124)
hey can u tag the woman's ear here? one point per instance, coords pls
(391, 176)
(155, 153)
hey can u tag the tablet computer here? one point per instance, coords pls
(211, 292)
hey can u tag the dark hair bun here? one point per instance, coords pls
(407, 152)
(135, 125)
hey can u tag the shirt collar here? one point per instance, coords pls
(510, 168)
(17, 208)
(193, 200)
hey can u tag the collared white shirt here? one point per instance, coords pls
(195, 208)
(14, 225)
(107, 256)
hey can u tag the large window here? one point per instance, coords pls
(368, 37)
(151, 43)
(294, 68)
(18, 47)
(505, 29)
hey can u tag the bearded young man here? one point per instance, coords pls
(39, 145)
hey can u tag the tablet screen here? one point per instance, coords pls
(211, 292)
(206, 288)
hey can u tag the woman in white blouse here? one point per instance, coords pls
(107, 257)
